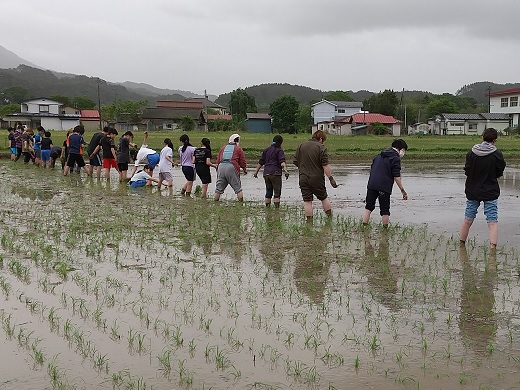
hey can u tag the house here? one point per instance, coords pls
(209, 105)
(50, 114)
(419, 128)
(467, 124)
(181, 104)
(506, 102)
(90, 120)
(169, 118)
(359, 124)
(258, 123)
(325, 111)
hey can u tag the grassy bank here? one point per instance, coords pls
(340, 147)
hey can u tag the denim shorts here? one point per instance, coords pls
(490, 209)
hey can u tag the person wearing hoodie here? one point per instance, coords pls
(484, 165)
(384, 171)
(230, 160)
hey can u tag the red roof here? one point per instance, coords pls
(370, 118)
(179, 104)
(89, 115)
(227, 117)
(505, 92)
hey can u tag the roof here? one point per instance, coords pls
(462, 117)
(206, 102)
(341, 104)
(170, 113)
(179, 104)
(89, 114)
(476, 117)
(257, 115)
(495, 116)
(226, 117)
(509, 91)
(370, 118)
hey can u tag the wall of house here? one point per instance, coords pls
(396, 129)
(258, 125)
(53, 123)
(33, 106)
(322, 112)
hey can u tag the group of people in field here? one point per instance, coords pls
(483, 166)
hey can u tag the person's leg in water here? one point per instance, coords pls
(469, 216)
(491, 213)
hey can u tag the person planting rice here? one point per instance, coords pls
(165, 164)
(188, 166)
(143, 178)
(484, 165)
(273, 161)
(230, 160)
(384, 171)
(202, 161)
(145, 155)
(312, 161)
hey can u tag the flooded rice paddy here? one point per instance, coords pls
(103, 287)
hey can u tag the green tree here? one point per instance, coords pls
(83, 103)
(385, 103)
(442, 105)
(284, 111)
(60, 98)
(123, 110)
(304, 119)
(187, 123)
(220, 125)
(9, 109)
(379, 129)
(241, 103)
(15, 94)
(340, 96)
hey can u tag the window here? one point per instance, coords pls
(472, 127)
(513, 101)
(44, 108)
(504, 102)
(341, 111)
(454, 124)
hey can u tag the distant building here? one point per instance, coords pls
(90, 120)
(328, 111)
(506, 102)
(467, 124)
(258, 123)
(50, 114)
(359, 124)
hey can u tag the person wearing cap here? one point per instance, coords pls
(273, 161)
(230, 160)
(312, 161)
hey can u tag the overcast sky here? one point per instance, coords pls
(436, 45)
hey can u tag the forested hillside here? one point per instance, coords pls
(480, 90)
(27, 82)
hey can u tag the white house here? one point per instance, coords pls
(326, 111)
(506, 102)
(50, 114)
(358, 123)
(467, 124)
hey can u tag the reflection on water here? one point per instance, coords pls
(477, 320)
(312, 263)
(380, 273)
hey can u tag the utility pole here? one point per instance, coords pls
(489, 99)
(205, 111)
(99, 106)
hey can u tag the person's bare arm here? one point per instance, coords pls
(258, 166)
(399, 183)
(328, 172)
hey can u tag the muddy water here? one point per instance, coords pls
(436, 197)
(243, 297)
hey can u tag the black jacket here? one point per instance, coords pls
(385, 166)
(482, 173)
